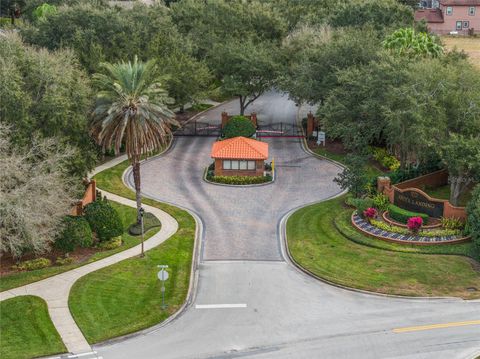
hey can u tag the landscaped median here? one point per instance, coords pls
(321, 239)
(125, 297)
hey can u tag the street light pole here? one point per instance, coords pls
(142, 211)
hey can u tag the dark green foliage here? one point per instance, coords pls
(473, 221)
(353, 176)
(240, 180)
(379, 14)
(149, 221)
(104, 220)
(76, 233)
(402, 215)
(361, 204)
(239, 126)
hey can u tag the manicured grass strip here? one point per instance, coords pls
(128, 216)
(126, 296)
(318, 246)
(26, 330)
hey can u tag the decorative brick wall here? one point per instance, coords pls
(435, 179)
(258, 171)
(89, 197)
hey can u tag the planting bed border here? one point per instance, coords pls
(392, 222)
(367, 229)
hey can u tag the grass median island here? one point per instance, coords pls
(128, 216)
(126, 297)
(364, 263)
(26, 330)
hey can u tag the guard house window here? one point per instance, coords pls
(238, 165)
(466, 24)
(471, 11)
(459, 25)
(449, 10)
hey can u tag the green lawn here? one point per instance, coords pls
(26, 330)
(128, 216)
(443, 192)
(126, 297)
(370, 169)
(373, 265)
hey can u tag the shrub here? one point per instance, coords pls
(33, 264)
(353, 176)
(388, 227)
(382, 156)
(239, 126)
(473, 219)
(402, 215)
(425, 233)
(111, 243)
(370, 213)
(414, 224)
(104, 220)
(452, 223)
(64, 261)
(76, 232)
(240, 180)
(381, 202)
(361, 204)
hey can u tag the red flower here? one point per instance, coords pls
(414, 223)
(370, 213)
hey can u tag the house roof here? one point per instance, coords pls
(460, 2)
(429, 15)
(240, 148)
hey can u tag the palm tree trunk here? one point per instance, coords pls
(138, 193)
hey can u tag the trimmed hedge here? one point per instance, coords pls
(239, 126)
(473, 219)
(104, 220)
(76, 232)
(402, 215)
(240, 180)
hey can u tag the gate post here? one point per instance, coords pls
(224, 119)
(310, 124)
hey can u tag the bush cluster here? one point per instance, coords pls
(430, 233)
(402, 215)
(452, 223)
(381, 202)
(33, 264)
(240, 180)
(111, 243)
(473, 220)
(76, 232)
(104, 220)
(239, 126)
(385, 159)
(361, 204)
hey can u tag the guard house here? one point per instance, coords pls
(239, 156)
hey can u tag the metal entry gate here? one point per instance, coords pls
(196, 128)
(280, 129)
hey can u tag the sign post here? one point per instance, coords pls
(321, 138)
(163, 276)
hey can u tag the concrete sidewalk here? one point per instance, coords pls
(55, 290)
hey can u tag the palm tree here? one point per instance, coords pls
(131, 109)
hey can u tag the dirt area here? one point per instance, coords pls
(471, 45)
(183, 117)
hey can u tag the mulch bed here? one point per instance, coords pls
(332, 146)
(79, 255)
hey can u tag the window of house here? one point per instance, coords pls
(471, 11)
(227, 164)
(251, 165)
(449, 10)
(459, 25)
(243, 165)
(235, 165)
(466, 24)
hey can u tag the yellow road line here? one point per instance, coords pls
(436, 326)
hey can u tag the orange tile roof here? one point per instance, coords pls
(240, 148)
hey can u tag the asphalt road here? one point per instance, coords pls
(260, 305)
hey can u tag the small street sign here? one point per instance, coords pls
(162, 275)
(321, 138)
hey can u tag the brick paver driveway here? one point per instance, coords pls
(241, 222)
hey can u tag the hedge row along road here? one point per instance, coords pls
(251, 301)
